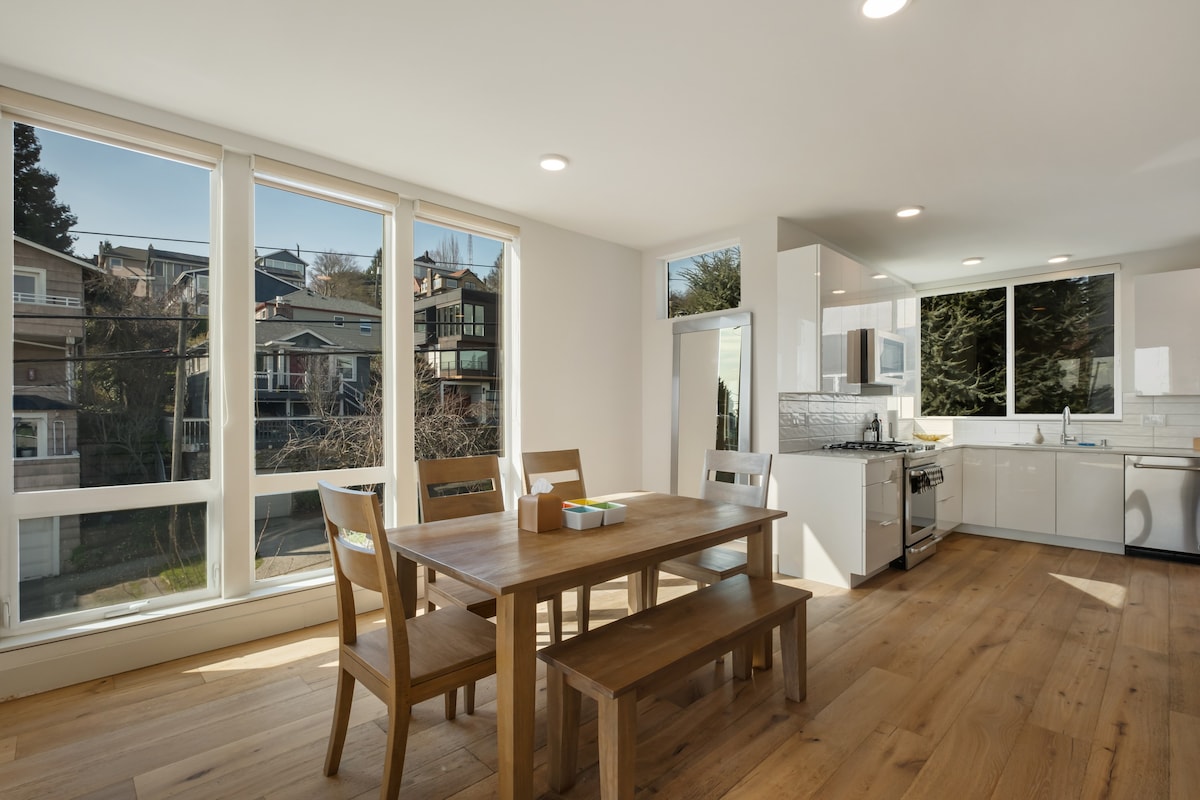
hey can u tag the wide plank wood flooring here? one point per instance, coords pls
(997, 669)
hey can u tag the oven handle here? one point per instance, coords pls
(932, 541)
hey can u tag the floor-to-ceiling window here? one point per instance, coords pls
(103, 399)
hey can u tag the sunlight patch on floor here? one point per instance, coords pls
(1110, 593)
(273, 657)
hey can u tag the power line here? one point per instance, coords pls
(265, 247)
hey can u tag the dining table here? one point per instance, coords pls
(521, 568)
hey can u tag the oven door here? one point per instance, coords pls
(920, 510)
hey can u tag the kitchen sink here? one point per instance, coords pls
(1068, 446)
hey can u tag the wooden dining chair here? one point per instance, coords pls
(404, 661)
(563, 469)
(718, 563)
(450, 488)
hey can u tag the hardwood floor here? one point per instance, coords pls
(996, 669)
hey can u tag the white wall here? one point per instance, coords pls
(580, 353)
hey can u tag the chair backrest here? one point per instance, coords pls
(562, 468)
(459, 487)
(755, 466)
(351, 515)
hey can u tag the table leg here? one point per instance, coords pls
(758, 565)
(406, 576)
(516, 691)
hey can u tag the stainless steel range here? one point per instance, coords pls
(922, 474)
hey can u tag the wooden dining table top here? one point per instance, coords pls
(490, 552)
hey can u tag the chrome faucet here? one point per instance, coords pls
(1066, 422)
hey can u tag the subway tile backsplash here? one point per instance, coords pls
(811, 421)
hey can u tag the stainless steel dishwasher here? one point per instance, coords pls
(1162, 496)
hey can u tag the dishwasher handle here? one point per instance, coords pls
(1166, 466)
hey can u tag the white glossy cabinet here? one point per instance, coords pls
(1025, 495)
(1091, 496)
(979, 486)
(884, 515)
(798, 331)
(844, 516)
(1166, 329)
(820, 296)
(949, 491)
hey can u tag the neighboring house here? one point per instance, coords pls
(456, 322)
(293, 328)
(285, 265)
(129, 264)
(47, 339)
(192, 288)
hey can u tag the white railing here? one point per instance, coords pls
(45, 300)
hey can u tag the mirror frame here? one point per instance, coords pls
(683, 325)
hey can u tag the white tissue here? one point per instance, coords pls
(541, 486)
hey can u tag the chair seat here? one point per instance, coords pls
(709, 565)
(447, 592)
(441, 642)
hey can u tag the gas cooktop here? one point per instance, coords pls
(879, 447)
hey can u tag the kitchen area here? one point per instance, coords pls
(870, 485)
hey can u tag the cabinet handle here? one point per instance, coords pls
(889, 522)
(889, 481)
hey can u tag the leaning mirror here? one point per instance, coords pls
(710, 393)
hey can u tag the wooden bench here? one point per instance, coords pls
(626, 659)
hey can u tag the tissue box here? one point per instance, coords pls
(539, 512)
(581, 518)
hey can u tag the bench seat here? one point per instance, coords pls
(635, 655)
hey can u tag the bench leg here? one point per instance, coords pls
(562, 721)
(743, 657)
(793, 642)
(618, 746)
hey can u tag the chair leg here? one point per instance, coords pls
(583, 608)
(618, 746)
(562, 720)
(469, 697)
(341, 721)
(554, 611)
(452, 703)
(393, 755)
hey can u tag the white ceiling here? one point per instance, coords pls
(1027, 128)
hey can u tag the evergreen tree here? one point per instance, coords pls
(963, 354)
(38, 214)
(714, 283)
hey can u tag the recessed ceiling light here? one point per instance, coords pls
(972, 261)
(910, 211)
(878, 9)
(879, 277)
(1060, 259)
(553, 162)
(838, 291)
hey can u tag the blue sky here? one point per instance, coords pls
(128, 197)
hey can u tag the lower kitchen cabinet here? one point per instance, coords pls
(949, 491)
(979, 486)
(1025, 493)
(1091, 496)
(844, 519)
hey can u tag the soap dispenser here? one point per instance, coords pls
(1037, 437)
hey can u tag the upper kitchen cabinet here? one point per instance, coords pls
(1166, 329)
(822, 295)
